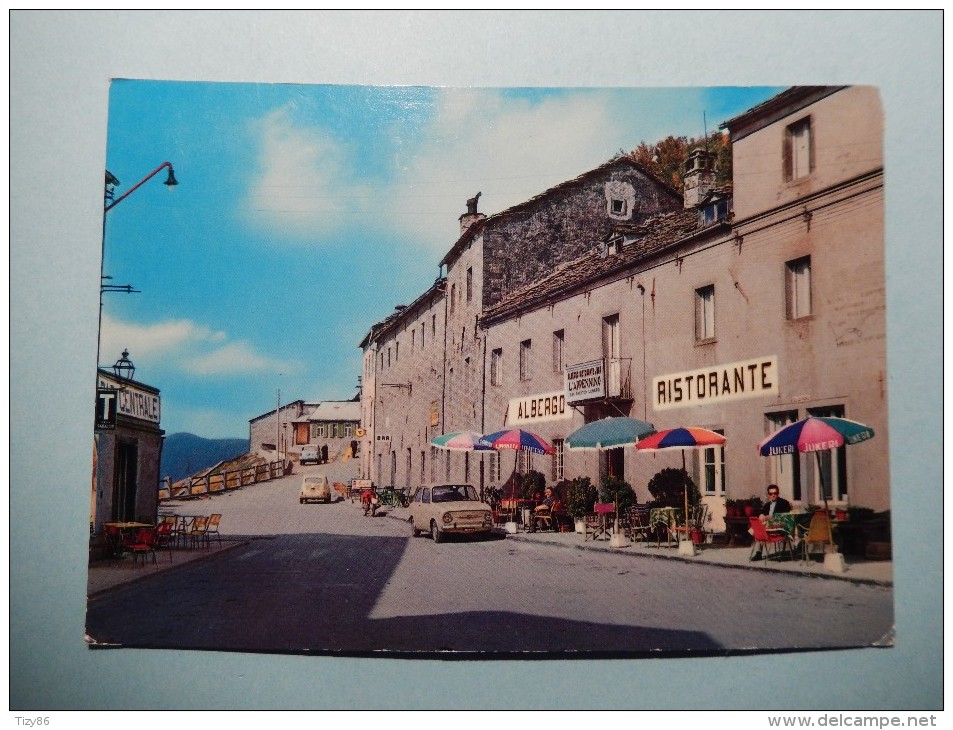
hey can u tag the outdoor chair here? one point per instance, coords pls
(143, 544)
(549, 519)
(763, 539)
(600, 521)
(696, 521)
(818, 533)
(198, 533)
(637, 523)
(164, 537)
(212, 528)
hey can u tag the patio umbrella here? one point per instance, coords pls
(684, 439)
(817, 434)
(609, 433)
(460, 441)
(517, 439)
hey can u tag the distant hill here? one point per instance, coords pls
(184, 454)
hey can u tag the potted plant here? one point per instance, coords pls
(580, 498)
(734, 508)
(620, 493)
(753, 506)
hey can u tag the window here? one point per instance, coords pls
(559, 343)
(829, 467)
(526, 349)
(447, 465)
(393, 469)
(433, 464)
(496, 366)
(494, 467)
(798, 287)
(318, 430)
(348, 430)
(396, 351)
(784, 470)
(524, 461)
(798, 150)
(410, 466)
(705, 313)
(713, 468)
(469, 284)
(558, 462)
(423, 329)
(423, 466)
(388, 357)
(413, 339)
(466, 466)
(433, 325)
(453, 297)
(617, 206)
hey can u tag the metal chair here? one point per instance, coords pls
(212, 528)
(637, 523)
(780, 540)
(819, 532)
(144, 543)
(199, 532)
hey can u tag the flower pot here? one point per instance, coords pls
(581, 526)
(840, 515)
(698, 537)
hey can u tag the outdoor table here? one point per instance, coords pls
(791, 524)
(116, 534)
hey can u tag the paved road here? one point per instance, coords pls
(324, 578)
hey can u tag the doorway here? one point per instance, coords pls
(126, 482)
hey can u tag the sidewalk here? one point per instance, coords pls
(857, 569)
(105, 575)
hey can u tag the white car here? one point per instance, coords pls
(315, 489)
(449, 509)
(310, 453)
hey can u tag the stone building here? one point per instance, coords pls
(127, 450)
(332, 426)
(739, 311)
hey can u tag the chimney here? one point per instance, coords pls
(471, 216)
(699, 176)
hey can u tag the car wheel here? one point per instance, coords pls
(300, 501)
(413, 528)
(435, 532)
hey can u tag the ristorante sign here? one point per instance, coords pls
(719, 383)
(537, 408)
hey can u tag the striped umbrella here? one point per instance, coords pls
(681, 438)
(517, 439)
(460, 441)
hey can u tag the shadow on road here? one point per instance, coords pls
(315, 594)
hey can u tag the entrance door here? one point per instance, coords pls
(126, 483)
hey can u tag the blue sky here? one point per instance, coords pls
(305, 213)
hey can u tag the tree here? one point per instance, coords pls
(666, 158)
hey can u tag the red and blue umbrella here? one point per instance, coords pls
(815, 433)
(690, 437)
(460, 441)
(517, 439)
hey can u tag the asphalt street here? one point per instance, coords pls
(325, 579)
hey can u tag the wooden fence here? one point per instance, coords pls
(197, 486)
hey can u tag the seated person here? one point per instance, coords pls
(543, 512)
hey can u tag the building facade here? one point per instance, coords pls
(332, 426)
(127, 451)
(739, 311)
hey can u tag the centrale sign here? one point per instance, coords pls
(744, 379)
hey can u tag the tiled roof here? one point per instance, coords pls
(651, 236)
(336, 411)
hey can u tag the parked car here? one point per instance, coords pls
(310, 454)
(315, 489)
(448, 509)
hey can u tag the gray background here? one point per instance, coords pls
(60, 66)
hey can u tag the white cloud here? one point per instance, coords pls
(302, 185)
(236, 358)
(185, 346)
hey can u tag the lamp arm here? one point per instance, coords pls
(135, 187)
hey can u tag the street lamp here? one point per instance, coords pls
(123, 368)
(111, 182)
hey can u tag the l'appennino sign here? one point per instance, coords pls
(745, 379)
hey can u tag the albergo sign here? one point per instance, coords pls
(537, 408)
(719, 383)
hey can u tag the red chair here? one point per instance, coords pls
(144, 544)
(780, 540)
(165, 537)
